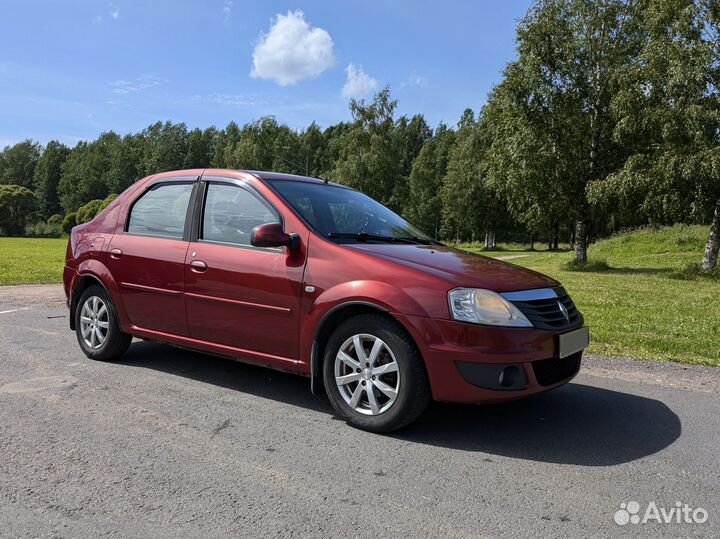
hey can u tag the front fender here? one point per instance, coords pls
(382, 294)
(365, 292)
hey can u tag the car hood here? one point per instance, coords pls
(459, 268)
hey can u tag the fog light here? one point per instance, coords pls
(510, 376)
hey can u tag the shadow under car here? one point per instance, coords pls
(574, 424)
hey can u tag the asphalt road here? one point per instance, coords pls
(170, 443)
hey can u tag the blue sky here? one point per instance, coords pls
(71, 70)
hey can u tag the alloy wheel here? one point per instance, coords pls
(94, 322)
(367, 374)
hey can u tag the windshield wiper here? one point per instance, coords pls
(423, 241)
(368, 236)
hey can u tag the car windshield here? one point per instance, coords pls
(346, 215)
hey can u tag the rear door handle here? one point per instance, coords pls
(115, 253)
(198, 266)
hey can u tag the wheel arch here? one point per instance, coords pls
(83, 282)
(327, 325)
(95, 272)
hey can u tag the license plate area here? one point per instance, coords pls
(573, 341)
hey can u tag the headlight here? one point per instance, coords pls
(485, 307)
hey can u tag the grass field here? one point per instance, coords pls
(635, 309)
(31, 260)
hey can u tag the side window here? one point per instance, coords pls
(161, 211)
(231, 213)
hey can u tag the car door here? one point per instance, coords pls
(238, 295)
(147, 259)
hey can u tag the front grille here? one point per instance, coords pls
(545, 313)
(554, 370)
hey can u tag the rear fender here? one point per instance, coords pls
(95, 269)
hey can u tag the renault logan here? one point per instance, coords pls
(315, 278)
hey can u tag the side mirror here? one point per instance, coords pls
(272, 235)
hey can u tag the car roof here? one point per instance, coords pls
(267, 175)
(261, 175)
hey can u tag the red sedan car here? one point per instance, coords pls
(311, 277)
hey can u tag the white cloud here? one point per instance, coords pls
(358, 83)
(114, 15)
(415, 80)
(238, 101)
(227, 11)
(137, 85)
(292, 50)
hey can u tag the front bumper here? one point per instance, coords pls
(471, 363)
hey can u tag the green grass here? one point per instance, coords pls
(638, 308)
(662, 248)
(594, 265)
(31, 260)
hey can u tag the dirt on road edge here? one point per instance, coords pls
(33, 295)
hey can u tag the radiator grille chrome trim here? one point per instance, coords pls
(547, 308)
(534, 295)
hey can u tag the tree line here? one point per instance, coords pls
(608, 118)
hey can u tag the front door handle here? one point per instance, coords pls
(115, 253)
(198, 266)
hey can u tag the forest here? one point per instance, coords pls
(608, 118)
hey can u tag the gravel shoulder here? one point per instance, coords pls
(32, 295)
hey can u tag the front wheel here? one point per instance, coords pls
(374, 375)
(97, 326)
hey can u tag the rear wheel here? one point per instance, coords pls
(97, 327)
(374, 375)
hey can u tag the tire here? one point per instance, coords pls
(98, 329)
(395, 366)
